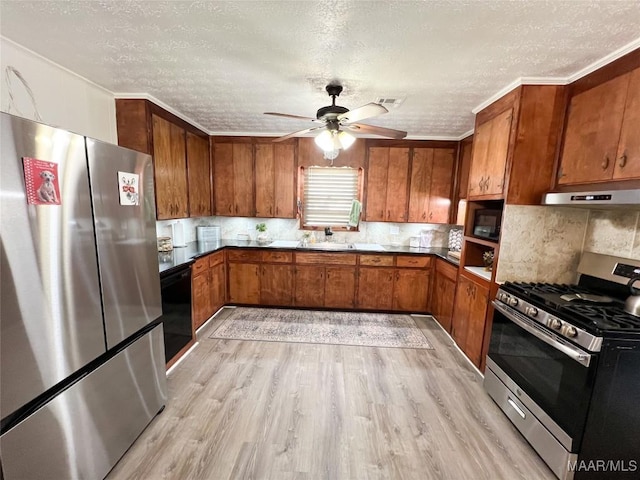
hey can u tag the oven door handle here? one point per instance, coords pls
(576, 354)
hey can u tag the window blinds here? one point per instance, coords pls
(328, 195)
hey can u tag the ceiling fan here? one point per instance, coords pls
(336, 121)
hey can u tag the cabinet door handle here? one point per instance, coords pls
(623, 160)
(230, 207)
(270, 210)
(388, 214)
(605, 164)
(424, 214)
(430, 215)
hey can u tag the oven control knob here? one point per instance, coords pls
(532, 311)
(555, 323)
(513, 301)
(571, 332)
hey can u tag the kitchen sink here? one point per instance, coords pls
(375, 247)
(326, 246)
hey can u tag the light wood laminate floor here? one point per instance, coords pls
(264, 410)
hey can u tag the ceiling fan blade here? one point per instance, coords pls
(366, 111)
(383, 132)
(287, 115)
(295, 134)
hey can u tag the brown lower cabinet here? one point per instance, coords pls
(340, 287)
(444, 292)
(469, 315)
(411, 290)
(244, 283)
(208, 287)
(317, 279)
(325, 280)
(309, 286)
(276, 285)
(200, 293)
(375, 288)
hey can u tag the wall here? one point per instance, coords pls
(63, 98)
(544, 244)
(287, 229)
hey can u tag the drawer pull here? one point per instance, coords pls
(516, 408)
(605, 164)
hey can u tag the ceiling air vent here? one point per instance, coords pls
(390, 101)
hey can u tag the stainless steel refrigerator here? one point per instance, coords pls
(82, 367)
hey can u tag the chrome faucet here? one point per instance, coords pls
(328, 234)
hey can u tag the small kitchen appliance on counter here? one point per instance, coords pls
(208, 234)
(564, 366)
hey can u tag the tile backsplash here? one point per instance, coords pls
(288, 229)
(544, 244)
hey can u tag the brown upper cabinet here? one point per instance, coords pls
(466, 149)
(233, 178)
(602, 140)
(254, 177)
(430, 187)
(180, 157)
(199, 173)
(275, 179)
(387, 184)
(486, 178)
(514, 145)
(409, 184)
(170, 169)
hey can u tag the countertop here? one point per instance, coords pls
(182, 256)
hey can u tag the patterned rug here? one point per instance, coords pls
(335, 328)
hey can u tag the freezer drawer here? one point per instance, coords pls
(84, 431)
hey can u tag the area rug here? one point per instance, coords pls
(310, 326)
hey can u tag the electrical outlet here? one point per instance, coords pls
(394, 230)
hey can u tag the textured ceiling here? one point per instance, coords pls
(222, 64)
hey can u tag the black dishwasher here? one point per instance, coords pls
(176, 309)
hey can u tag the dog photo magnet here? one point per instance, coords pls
(41, 180)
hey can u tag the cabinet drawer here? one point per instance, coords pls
(326, 258)
(199, 266)
(412, 261)
(242, 255)
(377, 260)
(277, 257)
(447, 270)
(216, 259)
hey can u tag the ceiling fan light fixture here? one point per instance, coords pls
(325, 141)
(346, 139)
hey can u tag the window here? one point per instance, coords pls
(328, 195)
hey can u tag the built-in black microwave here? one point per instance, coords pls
(486, 223)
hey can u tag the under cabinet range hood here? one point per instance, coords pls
(604, 199)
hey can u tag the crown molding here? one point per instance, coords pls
(160, 103)
(630, 47)
(621, 52)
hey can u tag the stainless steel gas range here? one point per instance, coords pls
(564, 366)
